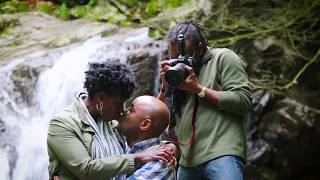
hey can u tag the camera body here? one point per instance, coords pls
(177, 73)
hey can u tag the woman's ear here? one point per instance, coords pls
(145, 124)
(99, 96)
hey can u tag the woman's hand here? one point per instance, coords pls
(173, 163)
(157, 152)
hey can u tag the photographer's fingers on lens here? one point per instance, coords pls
(164, 68)
(164, 63)
(190, 70)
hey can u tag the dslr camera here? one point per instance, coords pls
(177, 73)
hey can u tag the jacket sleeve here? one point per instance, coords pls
(235, 95)
(64, 143)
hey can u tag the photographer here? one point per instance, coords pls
(210, 97)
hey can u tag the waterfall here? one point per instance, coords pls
(23, 149)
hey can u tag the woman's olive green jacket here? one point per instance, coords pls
(69, 148)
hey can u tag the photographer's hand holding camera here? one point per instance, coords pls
(179, 70)
(210, 97)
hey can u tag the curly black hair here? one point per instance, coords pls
(112, 77)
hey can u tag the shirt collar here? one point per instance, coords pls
(207, 56)
(142, 145)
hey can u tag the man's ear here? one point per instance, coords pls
(145, 124)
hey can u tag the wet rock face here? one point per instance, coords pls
(36, 32)
(9, 137)
(292, 127)
(145, 64)
(270, 57)
(23, 78)
(283, 125)
(283, 143)
(194, 10)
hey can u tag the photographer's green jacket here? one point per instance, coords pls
(219, 129)
(69, 148)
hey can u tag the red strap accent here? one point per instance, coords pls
(193, 122)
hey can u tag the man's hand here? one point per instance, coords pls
(165, 65)
(191, 83)
(154, 153)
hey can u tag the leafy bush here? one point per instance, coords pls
(13, 6)
(78, 11)
(72, 3)
(63, 12)
(45, 7)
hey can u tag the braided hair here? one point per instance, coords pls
(192, 30)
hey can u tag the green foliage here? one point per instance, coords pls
(119, 12)
(45, 8)
(13, 6)
(155, 34)
(91, 3)
(63, 12)
(152, 8)
(172, 3)
(97, 16)
(117, 18)
(5, 33)
(78, 11)
(72, 3)
(131, 3)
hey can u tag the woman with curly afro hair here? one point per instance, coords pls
(82, 140)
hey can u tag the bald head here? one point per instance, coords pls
(155, 110)
(147, 118)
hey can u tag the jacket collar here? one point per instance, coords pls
(77, 107)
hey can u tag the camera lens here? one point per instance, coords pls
(176, 74)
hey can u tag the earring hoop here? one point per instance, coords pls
(99, 107)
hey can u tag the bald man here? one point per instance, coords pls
(142, 124)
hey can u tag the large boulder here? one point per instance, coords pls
(282, 139)
(29, 33)
(199, 10)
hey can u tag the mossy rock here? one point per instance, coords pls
(7, 20)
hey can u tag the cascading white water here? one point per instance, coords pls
(55, 89)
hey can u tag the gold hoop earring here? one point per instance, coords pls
(99, 107)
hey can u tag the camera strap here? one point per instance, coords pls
(193, 125)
